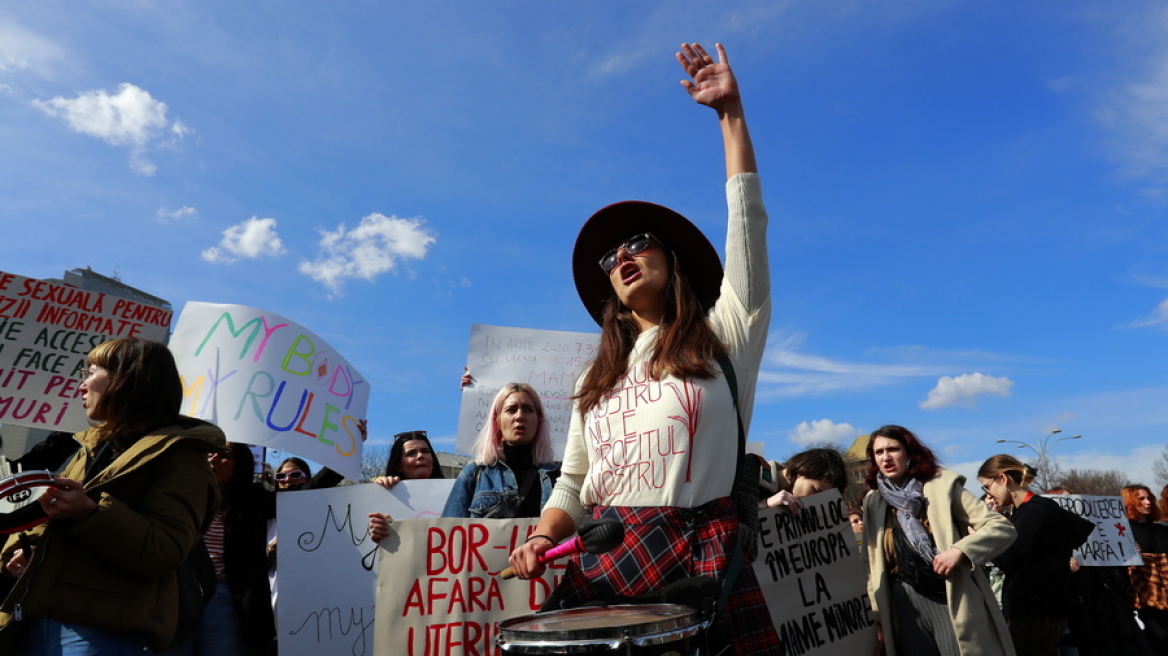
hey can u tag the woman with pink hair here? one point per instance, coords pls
(513, 471)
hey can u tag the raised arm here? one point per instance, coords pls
(713, 84)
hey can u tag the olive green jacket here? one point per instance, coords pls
(115, 569)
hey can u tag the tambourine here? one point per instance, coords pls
(17, 494)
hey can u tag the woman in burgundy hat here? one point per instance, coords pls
(654, 440)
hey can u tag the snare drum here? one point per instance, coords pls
(636, 630)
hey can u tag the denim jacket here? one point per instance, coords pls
(496, 485)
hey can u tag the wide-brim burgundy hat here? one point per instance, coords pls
(619, 221)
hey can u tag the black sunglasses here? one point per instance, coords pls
(410, 435)
(634, 246)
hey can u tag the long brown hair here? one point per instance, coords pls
(144, 391)
(686, 343)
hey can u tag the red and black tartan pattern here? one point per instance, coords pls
(664, 545)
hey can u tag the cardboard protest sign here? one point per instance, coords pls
(328, 564)
(266, 380)
(1111, 543)
(548, 360)
(46, 330)
(814, 580)
(438, 591)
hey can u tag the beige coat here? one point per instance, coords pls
(957, 519)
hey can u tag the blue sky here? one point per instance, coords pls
(967, 199)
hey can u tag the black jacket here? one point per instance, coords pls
(1038, 564)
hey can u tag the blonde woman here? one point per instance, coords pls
(512, 474)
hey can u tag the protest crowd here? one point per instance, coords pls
(157, 532)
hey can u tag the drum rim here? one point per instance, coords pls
(676, 622)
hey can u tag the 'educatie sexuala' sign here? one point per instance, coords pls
(266, 380)
(46, 330)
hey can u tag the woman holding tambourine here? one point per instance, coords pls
(128, 507)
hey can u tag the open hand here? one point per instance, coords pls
(713, 83)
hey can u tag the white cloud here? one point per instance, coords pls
(1137, 111)
(21, 49)
(182, 213)
(375, 246)
(788, 372)
(131, 117)
(1157, 319)
(822, 430)
(250, 239)
(964, 389)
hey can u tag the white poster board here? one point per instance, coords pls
(439, 593)
(548, 360)
(813, 578)
(46, 330)
(1111, 543)
(266, 380)
(328, 564)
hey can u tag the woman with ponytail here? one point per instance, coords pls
(1038, 592)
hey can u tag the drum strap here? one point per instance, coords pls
(744, 494)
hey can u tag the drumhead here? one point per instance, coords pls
(602, 623)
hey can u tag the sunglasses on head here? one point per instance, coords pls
(634, 246)
(293, 475)
(410, 435)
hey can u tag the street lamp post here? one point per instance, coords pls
(1042, 449)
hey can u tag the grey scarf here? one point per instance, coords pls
(908, 501)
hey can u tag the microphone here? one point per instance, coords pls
(594, 536)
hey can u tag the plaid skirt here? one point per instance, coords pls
(668, 544)
(1149, 583)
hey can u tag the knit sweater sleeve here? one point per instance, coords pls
(742, 315)
(747, 265)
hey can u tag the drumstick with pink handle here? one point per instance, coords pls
(594, 536)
